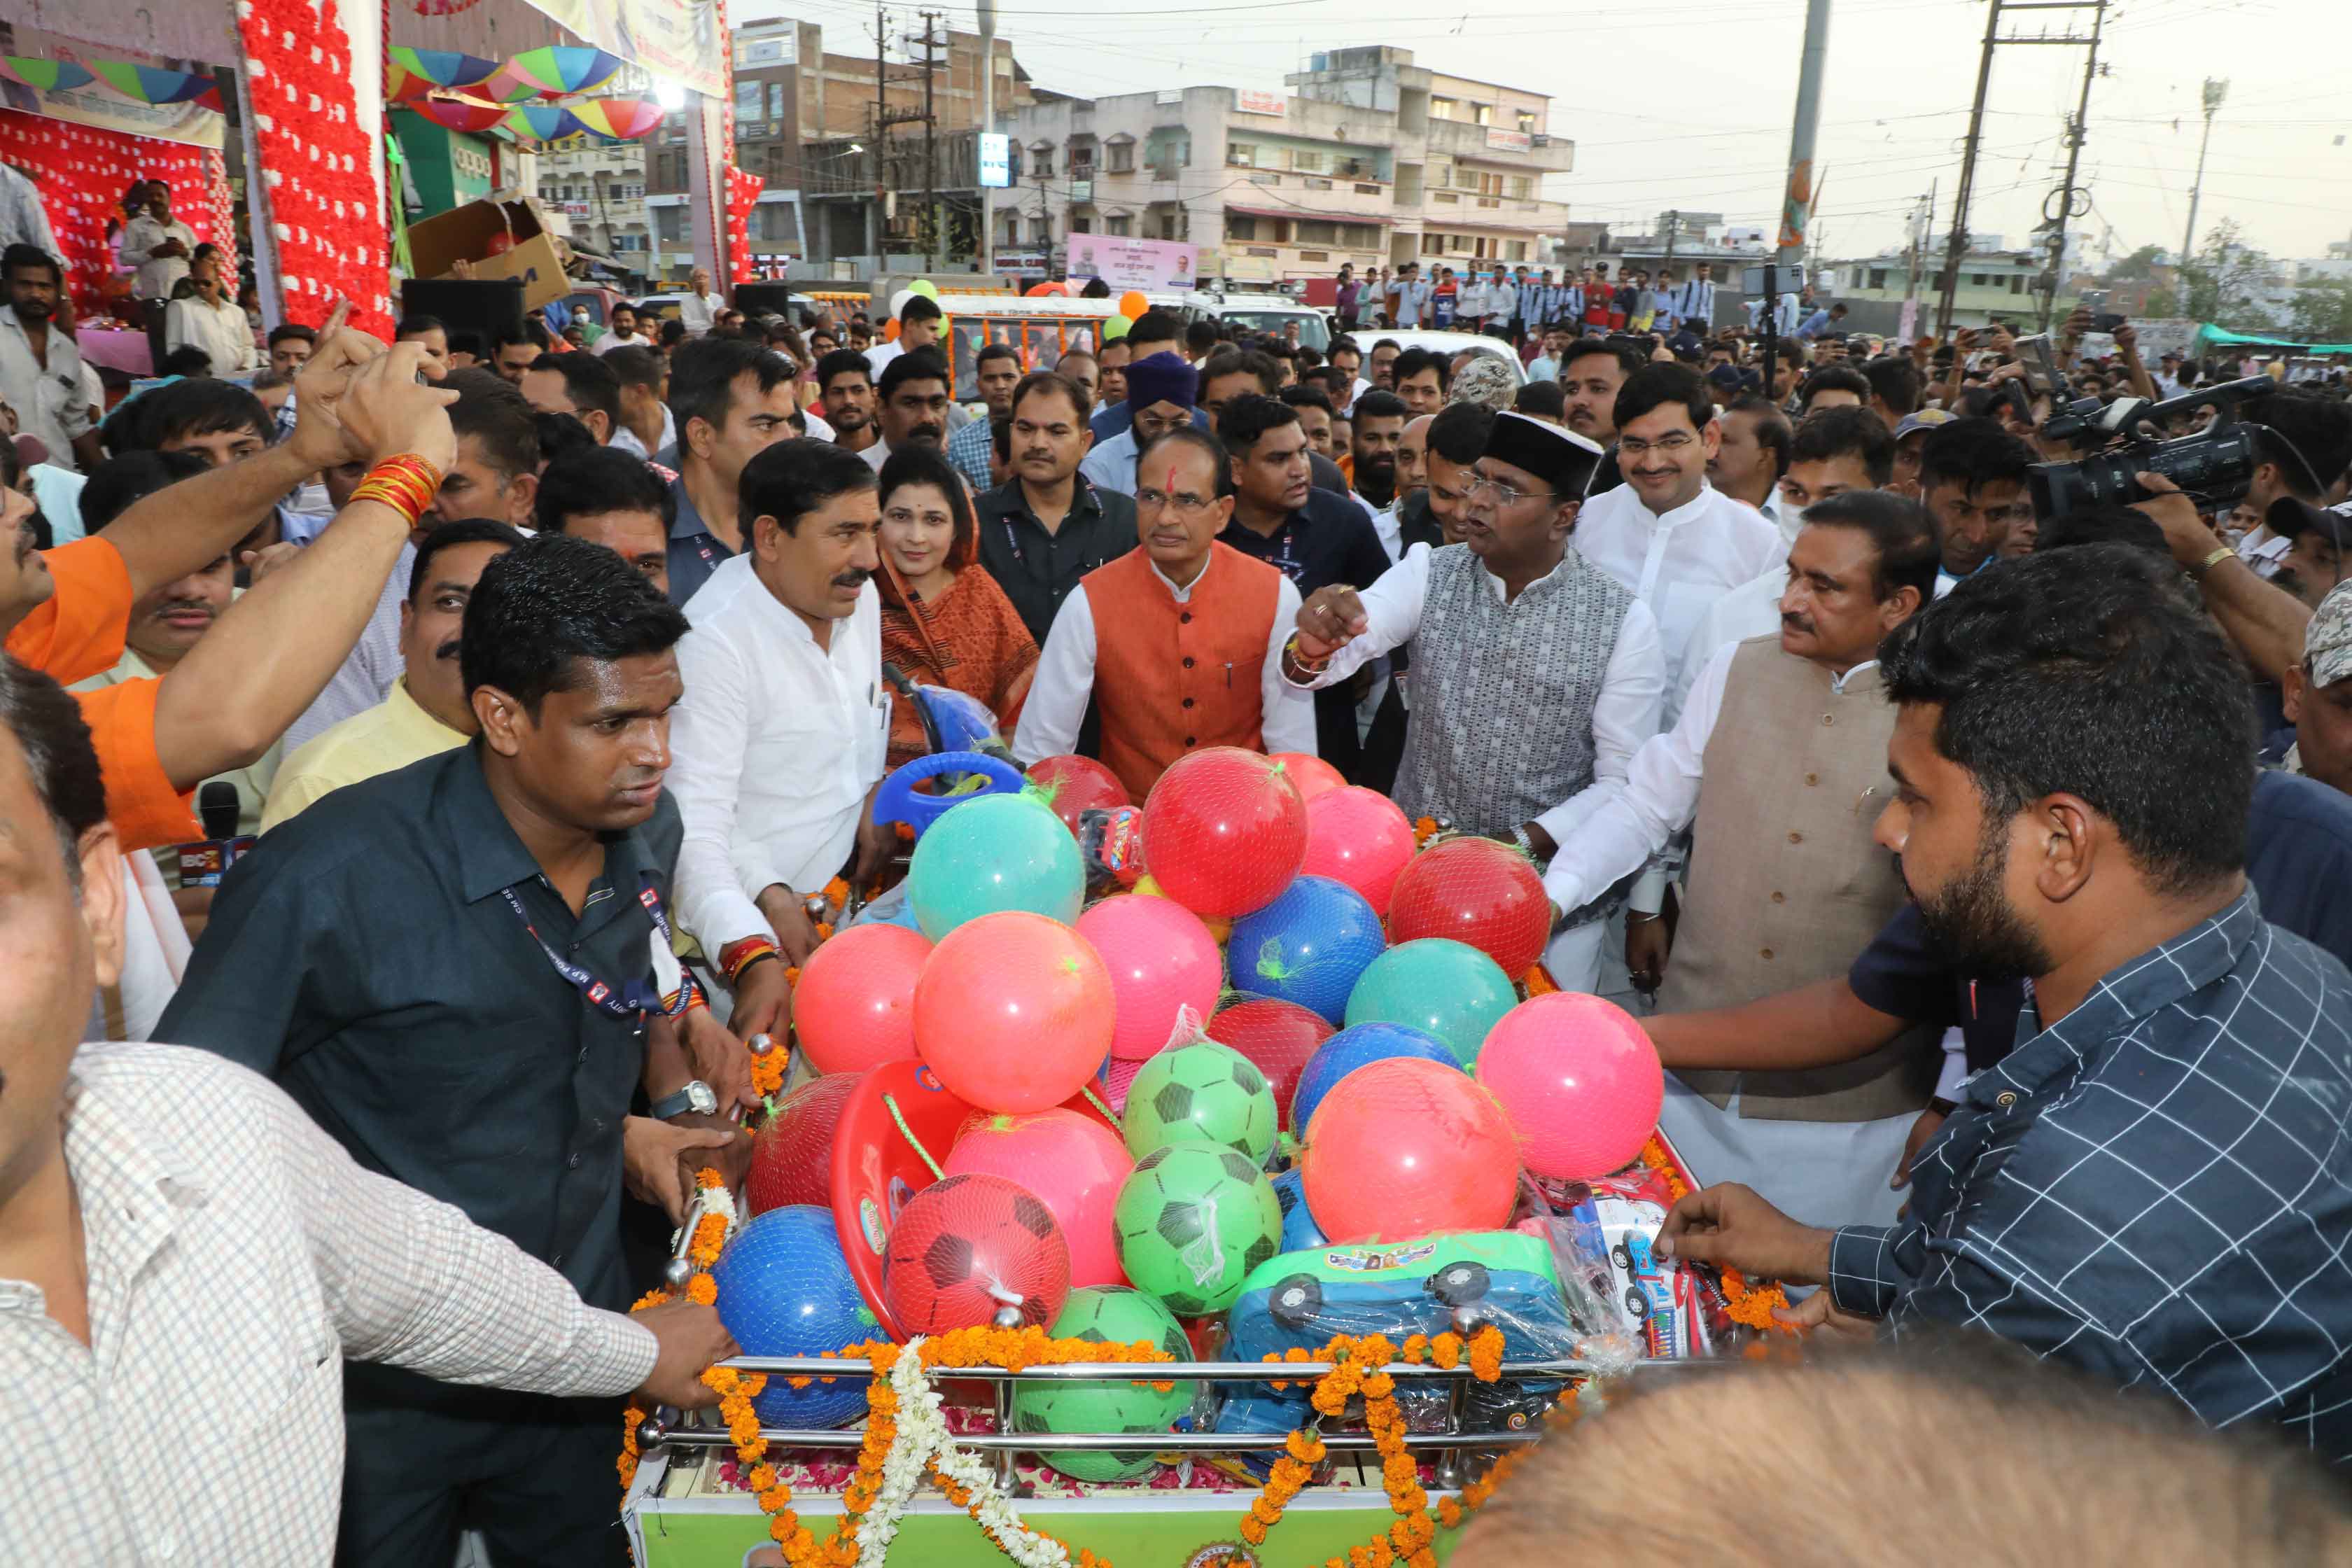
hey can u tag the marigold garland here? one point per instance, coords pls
(1747, 1305)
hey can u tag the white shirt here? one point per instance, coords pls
(773, 748)
(1624, 714)
(22, 219)
(157, 277)
(237, 1255)
(1470, 299)
(50, 401)
(1502, 300)
(1065, 678)
(1391, 531)
(613, 340)
(2263, 550)
(876, 454)
(1110, 465)
(1659, 798)
(1681, 564)
(879, 355)
(1751, 610)
(1407, 300)
(220, 331)
(627, 440)
(699, 313)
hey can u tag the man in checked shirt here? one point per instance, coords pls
(186, 1258)
(2155, 1186)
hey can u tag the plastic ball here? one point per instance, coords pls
(1477, 892)
(784, 1288)
(1163, 960)
(1069, 784)
(1580, 1081)
(1014, 1012)
(1407, 1148)
(1311, 774)
(854, 1005)
(1359, 1046)
(1193, 1220)
(792, 1156)
(965, 1247)
(990, 853)
(1071, 1163)
(1448, 988)
(1133, 303)
(1309, 946)
(1223, 831)
(1299, 1231)
(1108, 1316)
(1359, 837)
(1279, 1037)
(1202, 1092)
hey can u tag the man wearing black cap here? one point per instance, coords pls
(1535, 675)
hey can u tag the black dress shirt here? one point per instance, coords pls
(2156, 1189)
(365, 957)
(1037, 569)
(1330, 540)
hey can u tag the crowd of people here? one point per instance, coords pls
(1983, 878)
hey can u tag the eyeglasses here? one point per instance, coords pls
(1505, 495)
(1185, 504)
(1628, 446)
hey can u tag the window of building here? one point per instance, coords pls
(1519, 187)
(1170, 149)
(1441, 173)
(1317, 232)
(1081, 159)
(1041, 231)
(1119, 157)
(1081, 224)
(775, 101)
(1444, 109)
(747, 99)
(1041, 162)
(1242, 154)
(1527, 121)
(1307, 162)
(2017, 282)
(1432, 245)
(1515, 250)
(1360, 236)
(1482, 114)
(1449, 198)
(669, 223)
(1119, 228)
(1175, 226)
(1238, 228)
(1878, 278)
(1314, 256)
(1315, 185)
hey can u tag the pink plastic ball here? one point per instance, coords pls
(1359, 837)
(855, 1005)
(1404, 1148)
(1162, 960)
(1580, 1081)
(1313, 776)
(1073, 1163)
(1014, 1012)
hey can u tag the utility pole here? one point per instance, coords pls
(933, 238)
(1957, 246)
(1674, 221)
(1797, 201)
(881, 130)
(987, 10)
(2051, 275)
(1922, 217)
(2215, 91)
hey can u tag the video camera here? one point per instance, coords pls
(2214, 467)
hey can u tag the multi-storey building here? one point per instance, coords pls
(602, 191)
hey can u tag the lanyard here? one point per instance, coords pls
(636, 997)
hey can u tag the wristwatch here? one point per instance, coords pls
(695, 1095)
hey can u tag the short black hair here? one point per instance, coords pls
(995, 351)
(500, 418)
(2111, 523)
(1155, 326)
(1201, 440)
(922, 364)
(1343, 344)
(1543, 399)
(1379, 404)
(2308, 437)
(1910, 549)
(1055, 383)
(1655, 385)
(599, 479)
(1833, 378)
(841, 361)
(467, 531)
(1773, 432)
(919, 307)
(590, 382)
(789, 479)
(23, 255)
(673, 332)
(198, 406)
(1246, 419)
(533, 333)
(2054, 671)
(1305, 394)
(560, 433)
(548, 604)
(1790, 350)
(292, 331)
(1000, 439)
(1200, 336)
(1856, 433)
(1412, 361)
(417, 326)
(117, 483)
(58, 753)
(1237, 362)
(702, 375)
(1628, 358)
(634, 366)
(1458, 433)
(1896, 383)
(1973, 452)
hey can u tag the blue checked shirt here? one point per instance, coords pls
(2156, 1189)
(969, 450)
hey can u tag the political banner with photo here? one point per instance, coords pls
(1132, 263)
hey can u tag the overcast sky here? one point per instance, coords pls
(1686, 103)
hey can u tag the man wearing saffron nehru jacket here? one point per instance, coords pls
(1535, 675)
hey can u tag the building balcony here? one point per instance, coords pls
(1548, 154)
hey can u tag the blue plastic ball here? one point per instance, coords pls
(1299, 1231)
(784, 1288)
(1309, 946)
(1350, 1048)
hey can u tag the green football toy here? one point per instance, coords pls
(1192, 1220)
(1112, 1315)
(1204, 1091)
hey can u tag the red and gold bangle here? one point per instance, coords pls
(406, 483)
(736, 956)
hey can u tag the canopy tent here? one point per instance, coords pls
(2222, 337)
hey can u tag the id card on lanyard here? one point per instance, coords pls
(635, 998)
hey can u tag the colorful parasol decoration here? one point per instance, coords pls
(559, 68)
(152, 84)
(623, 119)
(442, 68)
(44, 76)
(543, 122)
(402, 86)
(452, 114)
(506, 85)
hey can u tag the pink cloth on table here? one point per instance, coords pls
(111, 348)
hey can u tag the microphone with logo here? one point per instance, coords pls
(203, 863)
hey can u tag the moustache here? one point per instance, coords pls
(852, 579)
(1380, 463)
(35, 309)
(1797, 623)
(929, 435)
(448, 650)
(183, 607)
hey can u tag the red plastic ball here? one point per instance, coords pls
(1014, 1012)
(1071, 785)
(1278, 1036)
(967, 1247)
(854, 1005)
(792, 1156)
(1359, 837)
(1223, 831)
(1404, 1148)
(1476, 891)
(1312, 774)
